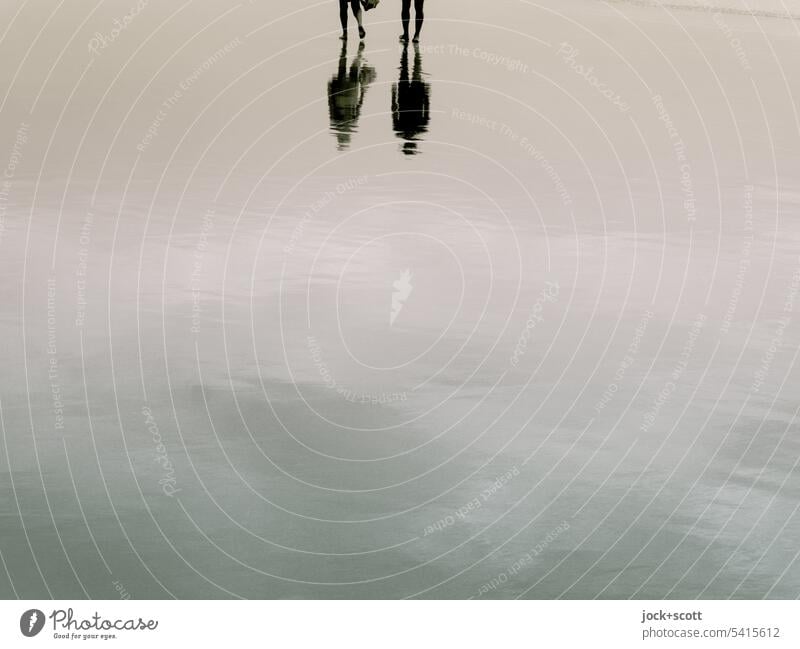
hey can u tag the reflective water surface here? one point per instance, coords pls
(287, 317)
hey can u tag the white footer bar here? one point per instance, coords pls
(386, 625)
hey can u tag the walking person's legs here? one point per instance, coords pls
(343, 17)
(406, 16)
(358, 13)
(355, 5)
(419, 17)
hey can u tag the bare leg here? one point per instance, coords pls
(406, 16)
(358, 13)
(343, 17)
(419, 16)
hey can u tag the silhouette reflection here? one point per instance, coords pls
(346, 91)
(411, 103)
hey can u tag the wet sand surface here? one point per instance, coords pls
(509, 314)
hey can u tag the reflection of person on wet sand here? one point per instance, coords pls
(346, 93)
(410, 103)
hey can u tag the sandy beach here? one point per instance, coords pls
(535, 338)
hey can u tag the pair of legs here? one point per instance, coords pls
(419, 16)
(356, 7)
